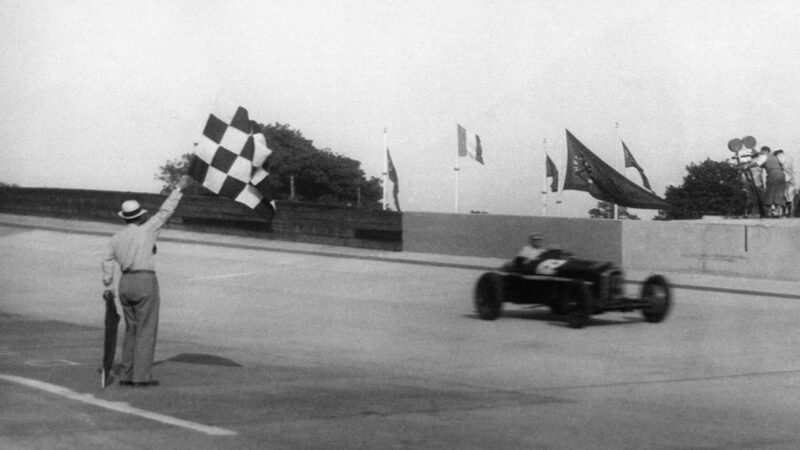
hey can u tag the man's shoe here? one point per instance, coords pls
(146, 383)
(126, 383)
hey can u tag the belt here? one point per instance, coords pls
(138, 271)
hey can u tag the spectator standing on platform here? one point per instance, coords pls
(134, 248)
(791, 187)
(753, 177)
(775, 183)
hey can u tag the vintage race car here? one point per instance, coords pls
(577, 288)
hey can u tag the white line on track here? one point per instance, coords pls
(50, 363)
(219, 277)
(116, 406)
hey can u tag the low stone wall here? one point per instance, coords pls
(335, 225)
(293, 221)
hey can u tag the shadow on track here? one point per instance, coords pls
(200, 358)
(543, 314)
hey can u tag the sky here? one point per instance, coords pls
(100, 94)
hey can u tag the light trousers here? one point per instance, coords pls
(140, 300)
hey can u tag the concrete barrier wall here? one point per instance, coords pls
(748, 248)
(503, 236)
(775, 250)
(766, 249)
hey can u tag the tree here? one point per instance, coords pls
(709, 188)
(320, 176)
(605, 210)
(171, 171)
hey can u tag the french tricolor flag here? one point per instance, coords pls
(469, 145)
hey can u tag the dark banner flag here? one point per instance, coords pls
(631, 162)
(587, 172)
(393, 177)
(551, 172)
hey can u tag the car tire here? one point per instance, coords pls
(488, 299)
(558, 304)
(657, 292)
(580, 306)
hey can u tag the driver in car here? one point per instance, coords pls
(531, 255)
(533, 249)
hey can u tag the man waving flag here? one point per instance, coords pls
(230, 157)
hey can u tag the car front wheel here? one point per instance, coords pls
(488, 302)
(656, 292)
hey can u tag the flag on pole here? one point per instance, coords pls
(552, 172)
(631, 162)
(229, 159)
(469, 145)
(393, 177)
(587, 172)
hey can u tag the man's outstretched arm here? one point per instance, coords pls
(160, 218)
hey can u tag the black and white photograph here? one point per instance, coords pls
(399, 224)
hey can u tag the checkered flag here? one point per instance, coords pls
(229, 160)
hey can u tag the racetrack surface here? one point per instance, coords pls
(285, 349)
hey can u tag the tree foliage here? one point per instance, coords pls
(709, 188)
(605, 210)
(320, 176)
(172, 170)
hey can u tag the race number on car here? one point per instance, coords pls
(549, 266)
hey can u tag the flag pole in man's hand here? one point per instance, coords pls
(110, 343)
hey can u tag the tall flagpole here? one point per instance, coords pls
(544, 180)
(457, 169)
(616, 161)
(560, 198)
(385, 165)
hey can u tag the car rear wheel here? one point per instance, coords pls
(580, 306)
(656, 292)
(488, 301)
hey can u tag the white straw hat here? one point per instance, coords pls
(131, 210)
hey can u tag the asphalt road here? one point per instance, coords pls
(265, 349)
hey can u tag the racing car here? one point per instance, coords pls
(577, 288)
